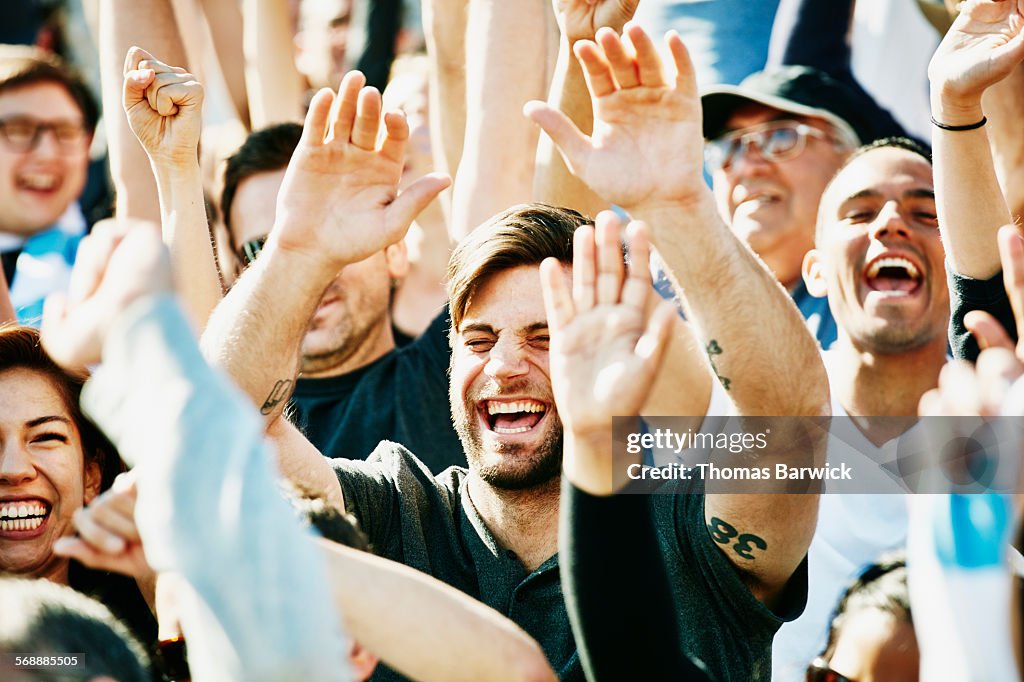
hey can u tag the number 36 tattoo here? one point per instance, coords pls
(723, 533)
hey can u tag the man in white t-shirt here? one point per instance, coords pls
(879, 260)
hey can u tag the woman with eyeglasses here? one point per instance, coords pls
(871, 637)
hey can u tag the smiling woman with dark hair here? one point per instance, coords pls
(53, 461)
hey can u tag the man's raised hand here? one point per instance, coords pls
(604, 349)
(647, 145)
(340, 199)
(164, 105)
(981, 48)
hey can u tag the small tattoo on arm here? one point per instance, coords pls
(724, 533)
(713, 349)
(278, 394)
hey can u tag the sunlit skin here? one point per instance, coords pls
(37, 186)
(772, 205)
(882, 206)
(351, 327)
(876, 646)
(500, 354)
(41, 461)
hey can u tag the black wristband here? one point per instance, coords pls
(955, 129)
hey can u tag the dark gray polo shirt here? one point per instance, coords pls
(430, 524)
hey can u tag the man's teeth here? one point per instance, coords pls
(518, 406)
(21, 515)
(893, 262)
(39, 181)
(505, 430)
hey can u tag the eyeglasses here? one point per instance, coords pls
(819, 671)
(775, 141)
(249, 250)
(22, 133)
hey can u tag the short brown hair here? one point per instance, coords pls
(263, 151)
(22, 65)
(522, 235)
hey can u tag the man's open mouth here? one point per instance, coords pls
(22, 515)
(513, 416)
(893, 274)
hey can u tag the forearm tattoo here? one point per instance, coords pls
(280, 393)
(745, 544)
(713, 349)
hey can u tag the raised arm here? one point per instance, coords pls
(273, 84)
(435, 625)
(646, 155)
(164, 107)
(577, 20)
(982, 47)
(505, 68)
(124, 23)
(444, 28)
(257, 602)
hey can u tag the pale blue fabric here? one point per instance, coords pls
(257, 606)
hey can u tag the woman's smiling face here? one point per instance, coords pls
(44, 477)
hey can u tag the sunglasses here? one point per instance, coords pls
(775, 141)
(819, 671)
(249, 250)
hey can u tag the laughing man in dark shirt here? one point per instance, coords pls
(491, 529)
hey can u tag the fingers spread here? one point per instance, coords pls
(620, 56)
(557, 297)
(638, 287)
(686, 77)
(572, 144)
(583, 268)
(348, 102)
(647, 59)
(596, 68)
(314, 129)
(364, 132)
(652, 344)
(609, 258)
(396, 134)
(413, 200)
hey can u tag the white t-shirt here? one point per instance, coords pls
(853, 531)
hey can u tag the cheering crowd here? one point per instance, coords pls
(309, 372)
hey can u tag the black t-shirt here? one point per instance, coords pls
(430, 523)
(402, 397)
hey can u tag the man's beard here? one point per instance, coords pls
(535, 468)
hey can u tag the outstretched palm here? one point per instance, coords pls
(604, 354)
(981, 48)
(647, 141)
(340, 195)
